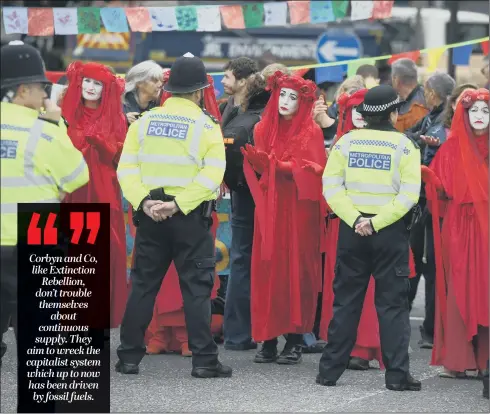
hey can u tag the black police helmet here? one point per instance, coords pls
(21, 64)
(187, 75)
(380, 100)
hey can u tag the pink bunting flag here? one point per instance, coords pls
(299, 12)
(233, 17)
(139, 19)
(382, 9)
(41, 21)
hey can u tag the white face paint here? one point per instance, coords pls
(357, 119)
(91, 89)
(478, 115)
(288, 102)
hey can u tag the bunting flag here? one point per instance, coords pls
(47, 21)
(433, 58)
(461, 55)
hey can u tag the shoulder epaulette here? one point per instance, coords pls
(211, 116)
(49, 121)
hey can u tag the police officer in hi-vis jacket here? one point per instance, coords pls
(372, 181)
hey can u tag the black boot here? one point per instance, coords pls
(124, 368)
(358, 364)
(292, 353)
(268, 352)
(410, 384)
(219, 371)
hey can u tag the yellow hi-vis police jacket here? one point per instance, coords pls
(39, 162)
(372, 172)
(178, 147)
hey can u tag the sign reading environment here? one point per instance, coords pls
(338, 46)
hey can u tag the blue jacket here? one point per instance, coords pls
(431, 125)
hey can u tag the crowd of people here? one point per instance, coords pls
(290, 233)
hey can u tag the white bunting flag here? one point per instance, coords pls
(65, 20)
(275, 14)
(163, 19)
(208, 19)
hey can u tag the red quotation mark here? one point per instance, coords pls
(77, 224)
(50, 232)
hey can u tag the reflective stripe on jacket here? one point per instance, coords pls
(177, 147)
(373, 172)
(39, 162)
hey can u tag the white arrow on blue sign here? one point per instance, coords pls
(338, 46)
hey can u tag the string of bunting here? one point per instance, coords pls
(47, 21)
(335, 71)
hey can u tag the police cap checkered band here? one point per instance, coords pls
(380, 100)
(381, 108)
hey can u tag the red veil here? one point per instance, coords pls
(108, 119)
(266, 133)
(346, 103)
(470, 158)
(462, 164)
(99, 133)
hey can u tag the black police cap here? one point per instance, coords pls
(380, 100)
(187, 75)
(21, 64)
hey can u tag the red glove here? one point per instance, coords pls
(313, 167)
(106, 150)
(257, 158)
(430, 177)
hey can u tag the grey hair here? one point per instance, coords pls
(141, 72)
(442, 84)
(405, 70)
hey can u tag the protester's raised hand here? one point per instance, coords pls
(430, 141)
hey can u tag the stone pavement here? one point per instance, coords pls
(165, 385)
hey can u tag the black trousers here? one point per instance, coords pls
(187, 240)
(385, 256)
(422, 243)
(8, 292)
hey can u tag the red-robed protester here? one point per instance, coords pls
(289, 226)
(97, 127)
(167, 330)
(460, 182)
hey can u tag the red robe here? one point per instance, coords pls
(102, 155)
(285, 285)
(461, 328)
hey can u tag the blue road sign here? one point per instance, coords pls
(338, 46)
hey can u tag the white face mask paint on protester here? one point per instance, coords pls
(91, 89)
(478, 115)
(288, 102)
(357, 119)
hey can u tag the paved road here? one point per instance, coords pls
(164, 385)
